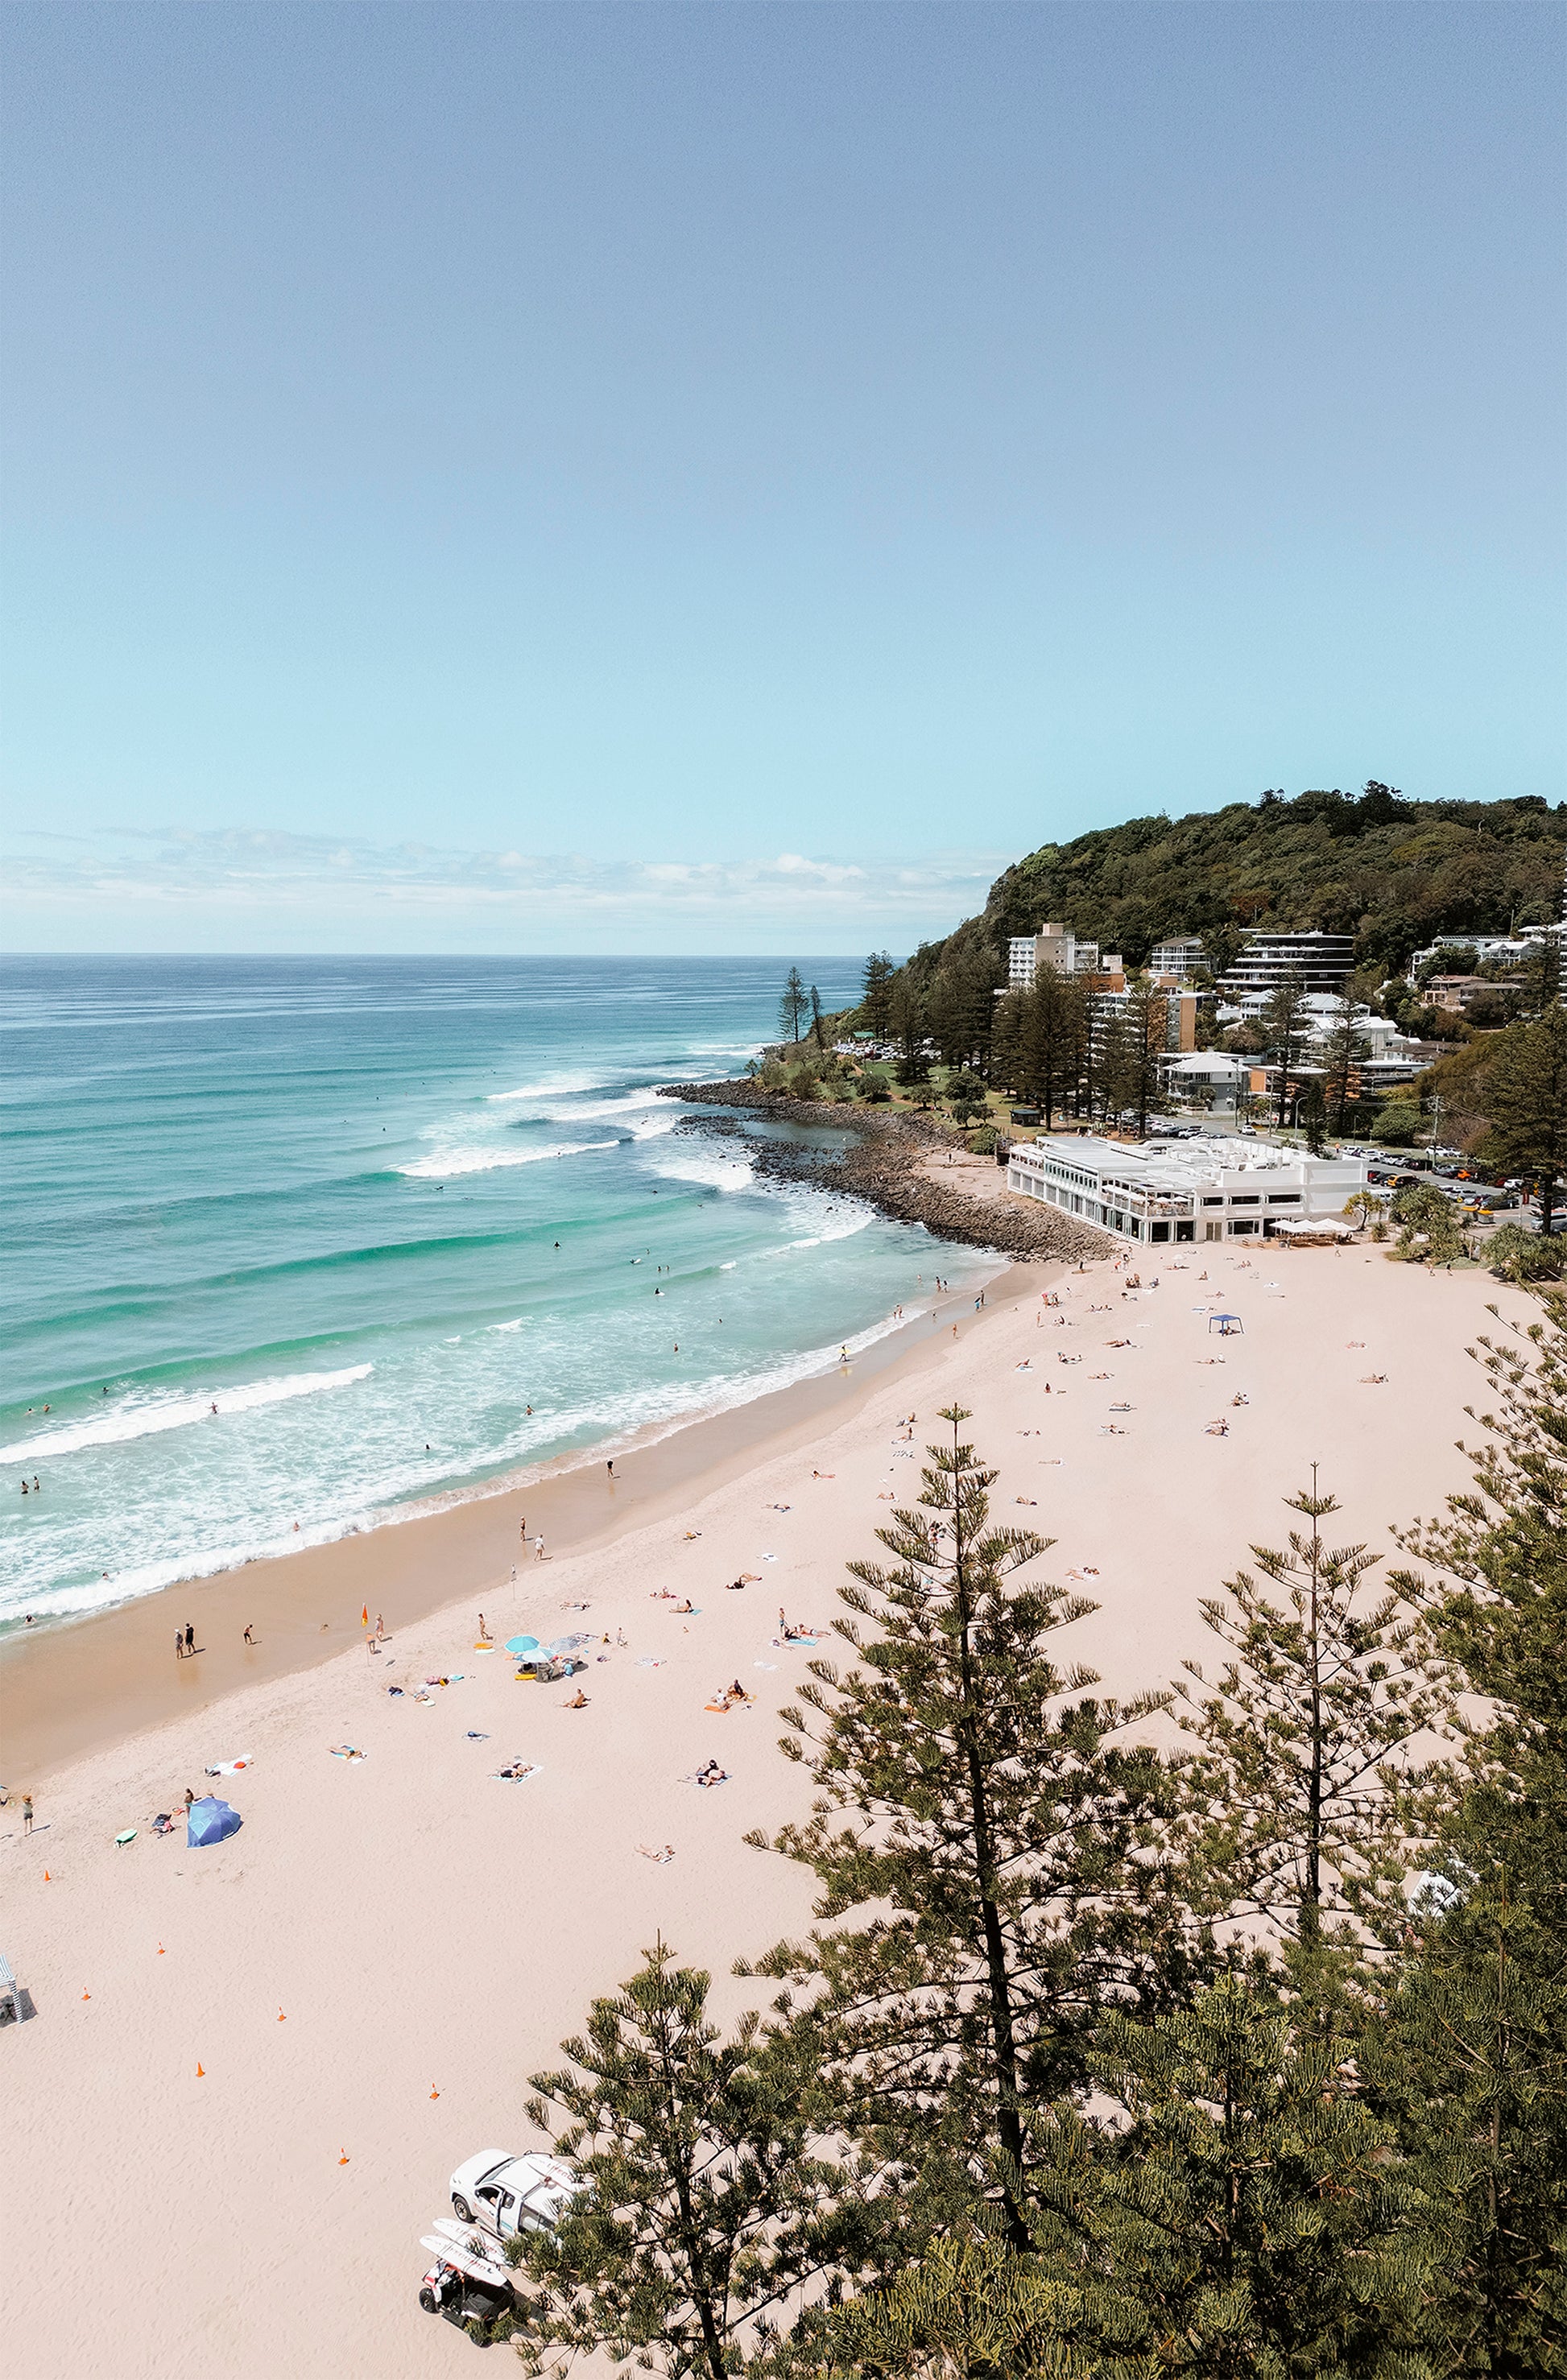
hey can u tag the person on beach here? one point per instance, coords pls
(189, 1797)
(249, 1638)
(578, 1701)
(179, 1644)
(380, 1628)
(483, 1632)
(27, 1813)
(609, 1465)
(189, 1638)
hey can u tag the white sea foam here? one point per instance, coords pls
(149, 1419)
(552, 1087)
(445, 1164)
(713, 1169)
(519, 1324)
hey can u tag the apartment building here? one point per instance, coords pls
(1056, 949)
(1322, 960)
(1177, 955)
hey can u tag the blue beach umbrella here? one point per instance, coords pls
(211, 1821)
(522, 1644)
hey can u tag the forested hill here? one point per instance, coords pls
(1396, 873)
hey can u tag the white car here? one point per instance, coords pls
(508, 2194)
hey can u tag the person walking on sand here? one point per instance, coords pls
(249, 1638)
(179, 1644)
(610, 1466)
(483, 1632)
(27, 1813)
(190, 1639)
(380, 1628)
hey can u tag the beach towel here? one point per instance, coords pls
(229, 1768)
(347, 1752)
(127, 1837)
(517, 1772)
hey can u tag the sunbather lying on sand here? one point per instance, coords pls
(711, 1774)
(661, 1857)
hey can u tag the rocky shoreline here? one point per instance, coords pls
(881, 1160)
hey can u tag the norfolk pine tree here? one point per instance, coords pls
(702, 2210)
(1301, 1780)
(1284, 1021)
(875, 1004)
(1342, 1062)
(977, 1799)
(1233, 2210)
(1472, 2053)
(792, 1006)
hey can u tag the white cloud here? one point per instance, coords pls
(137, 877)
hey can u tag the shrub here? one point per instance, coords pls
(1397, 1127)
(983, 1142)
(1516, 1254)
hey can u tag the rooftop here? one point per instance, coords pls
(1175, 1165)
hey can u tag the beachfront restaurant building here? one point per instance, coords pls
(1214, 1188)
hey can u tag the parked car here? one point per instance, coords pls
(461, 2289)
(506, 2194)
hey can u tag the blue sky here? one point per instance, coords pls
(729, 476)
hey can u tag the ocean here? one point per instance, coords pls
(411, 1225)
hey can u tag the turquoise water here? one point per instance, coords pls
(325, 1196)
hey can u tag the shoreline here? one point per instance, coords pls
(80, 1684)
(890, 1165)
(356, 1985)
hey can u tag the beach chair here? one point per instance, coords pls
(8, 1988)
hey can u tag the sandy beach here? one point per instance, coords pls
(366, 1974)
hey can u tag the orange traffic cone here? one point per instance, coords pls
(280, 2016)
(87, 1996)
(344, 2158)
(46, 1877)
(162, 1953)
(433, 2092)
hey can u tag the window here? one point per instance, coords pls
(1244, 1223)
(1284, 1197)
(1250, 1199)
(1213, 1202)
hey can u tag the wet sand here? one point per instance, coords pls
(246, 2073)
(76, 1686)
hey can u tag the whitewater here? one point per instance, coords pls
(299, 1247)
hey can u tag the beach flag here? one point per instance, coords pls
(200, 2071)
(364, 1617)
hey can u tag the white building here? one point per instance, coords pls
(1055, 948)
(1322, 960)
(1505, 949)
(1176, 956)
(1208, 1189)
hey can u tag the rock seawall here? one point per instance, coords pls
(884, 1163)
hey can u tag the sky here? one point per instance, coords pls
(731, 477)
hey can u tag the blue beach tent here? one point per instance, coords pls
(210, 1821)
(522, 1644)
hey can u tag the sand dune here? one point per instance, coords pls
(386, 1929)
